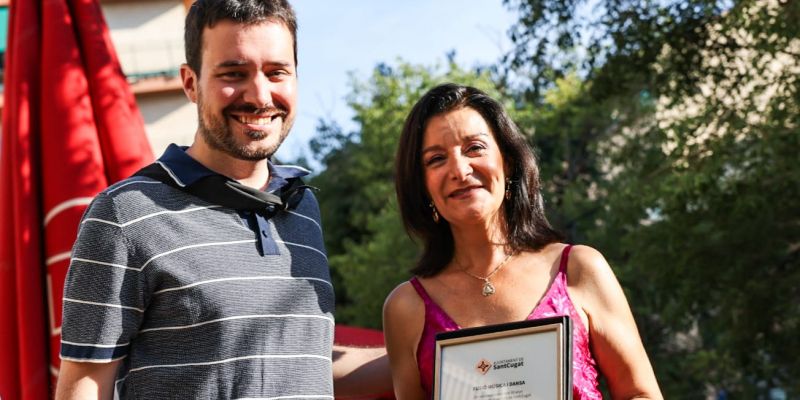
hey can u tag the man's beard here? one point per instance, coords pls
(219, 136)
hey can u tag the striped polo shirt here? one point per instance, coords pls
(197, 302)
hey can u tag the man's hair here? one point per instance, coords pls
(206, 13)
(526, 226)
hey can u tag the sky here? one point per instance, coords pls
(335, 38)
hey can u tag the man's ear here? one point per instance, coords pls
(189, 79)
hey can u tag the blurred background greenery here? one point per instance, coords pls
(668, 134)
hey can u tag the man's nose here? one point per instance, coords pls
(258, 92)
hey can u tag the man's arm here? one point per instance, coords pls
(360, 371)
(86, 380)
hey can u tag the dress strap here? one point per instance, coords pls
(562, 268)
(420, 290)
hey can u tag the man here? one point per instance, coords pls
(204, 275)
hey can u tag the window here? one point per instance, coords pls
(3, 39)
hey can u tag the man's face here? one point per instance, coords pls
(247, 89)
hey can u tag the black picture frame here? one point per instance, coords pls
(547, 347)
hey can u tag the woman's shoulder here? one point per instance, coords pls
(403, 300)
(403, 317)
(586, 262)
(591, 279)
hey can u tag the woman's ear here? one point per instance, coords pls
(508, 171)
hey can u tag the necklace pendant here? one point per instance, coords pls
(488, 288)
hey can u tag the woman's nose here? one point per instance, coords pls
(460, 167)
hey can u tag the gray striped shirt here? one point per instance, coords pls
(177, 288)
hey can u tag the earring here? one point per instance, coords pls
(508, 188)
(435, 213)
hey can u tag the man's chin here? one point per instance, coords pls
(246, 153)
(255, 145)
(258, 135)
(257, 150)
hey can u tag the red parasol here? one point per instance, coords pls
(70, 128)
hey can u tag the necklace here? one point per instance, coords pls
(488, 288)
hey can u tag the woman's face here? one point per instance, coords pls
(463, 167)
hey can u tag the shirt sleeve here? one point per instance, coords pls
(103, 298)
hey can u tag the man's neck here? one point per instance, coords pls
(250, 173)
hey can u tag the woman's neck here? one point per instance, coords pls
(479, 249)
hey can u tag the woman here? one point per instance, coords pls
(468, 187)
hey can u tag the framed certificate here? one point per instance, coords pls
(519, 360)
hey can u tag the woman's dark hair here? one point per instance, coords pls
(206, 13)
(526, 226)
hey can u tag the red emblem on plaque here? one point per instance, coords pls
(483, 366)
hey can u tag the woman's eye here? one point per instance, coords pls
(476, 148)
(433, 160)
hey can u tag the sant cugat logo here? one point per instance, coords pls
(484, 366)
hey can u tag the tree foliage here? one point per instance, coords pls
(692, 167)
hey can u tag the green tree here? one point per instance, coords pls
(369, 251)
(563, 128)
(698, 189)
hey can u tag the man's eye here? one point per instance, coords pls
(277, 74)
(232, 75)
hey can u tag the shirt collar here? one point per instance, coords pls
(279, 175)
(185, 170)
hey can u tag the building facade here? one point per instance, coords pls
(148, 39)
